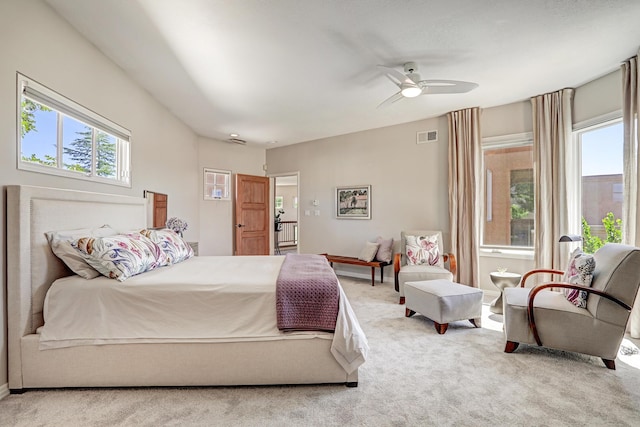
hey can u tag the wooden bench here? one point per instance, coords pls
(355, 261)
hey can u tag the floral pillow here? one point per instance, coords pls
(121, 256)
(579, 272)
(423, 250)
(171, 244)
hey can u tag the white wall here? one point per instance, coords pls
(216, 216)
(288, 193)
(409, 181)
(166, 155)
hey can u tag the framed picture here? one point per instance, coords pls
(353, 202)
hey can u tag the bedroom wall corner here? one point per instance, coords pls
(216, 216)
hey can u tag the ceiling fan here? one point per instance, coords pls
(411, 86)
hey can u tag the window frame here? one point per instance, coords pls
(492, 143)
(580, 128)
(64, 106)
(227, 185)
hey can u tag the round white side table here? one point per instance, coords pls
(502, 281)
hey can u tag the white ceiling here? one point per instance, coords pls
(299, 70)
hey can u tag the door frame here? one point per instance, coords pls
(272, 195)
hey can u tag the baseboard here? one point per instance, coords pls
(4, 391)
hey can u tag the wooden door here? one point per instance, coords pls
(252, 229)
(159, 210)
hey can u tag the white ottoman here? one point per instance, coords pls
(443, 302)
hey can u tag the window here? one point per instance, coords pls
(508, 219)
(601, 161)
(217, 184)
(58, 136)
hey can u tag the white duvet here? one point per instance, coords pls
(203, 299)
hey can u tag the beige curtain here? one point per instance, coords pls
(464, 164)
(630, 219)
(555, 203)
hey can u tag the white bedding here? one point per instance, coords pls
(203, 299)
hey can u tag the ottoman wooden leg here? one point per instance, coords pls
(408, 312)
(441, 328)
(473, 322)
(401, 301)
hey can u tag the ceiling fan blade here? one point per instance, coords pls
(433, 87)
(396, 76)
(393, 98)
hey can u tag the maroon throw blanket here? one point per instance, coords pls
(307, 294)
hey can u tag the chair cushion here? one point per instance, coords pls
(416, 273)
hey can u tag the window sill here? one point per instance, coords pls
(506, 253)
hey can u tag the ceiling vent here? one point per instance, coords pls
(426, 136)
(237, 141)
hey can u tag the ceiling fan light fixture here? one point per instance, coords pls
(410, 91)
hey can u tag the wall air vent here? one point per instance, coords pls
(237, 141)
(426, 136)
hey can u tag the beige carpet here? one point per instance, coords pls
(413, 377)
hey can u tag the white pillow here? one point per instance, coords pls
(369, 251)
(385, 250)
(60, 243)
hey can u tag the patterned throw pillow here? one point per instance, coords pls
(171, 244)
(121, 256)
(579, 272)
(423, 250)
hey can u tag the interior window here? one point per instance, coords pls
(217, 184)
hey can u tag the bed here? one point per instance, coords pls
(266, 357)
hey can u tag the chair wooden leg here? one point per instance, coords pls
(441, 328)
(473, 322)
(611, 364)
(510, 346)
(408, 312)
(401, 300)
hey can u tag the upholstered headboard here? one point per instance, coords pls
(31, 265)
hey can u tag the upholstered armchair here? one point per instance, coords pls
(543, 316)
(414, 273)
